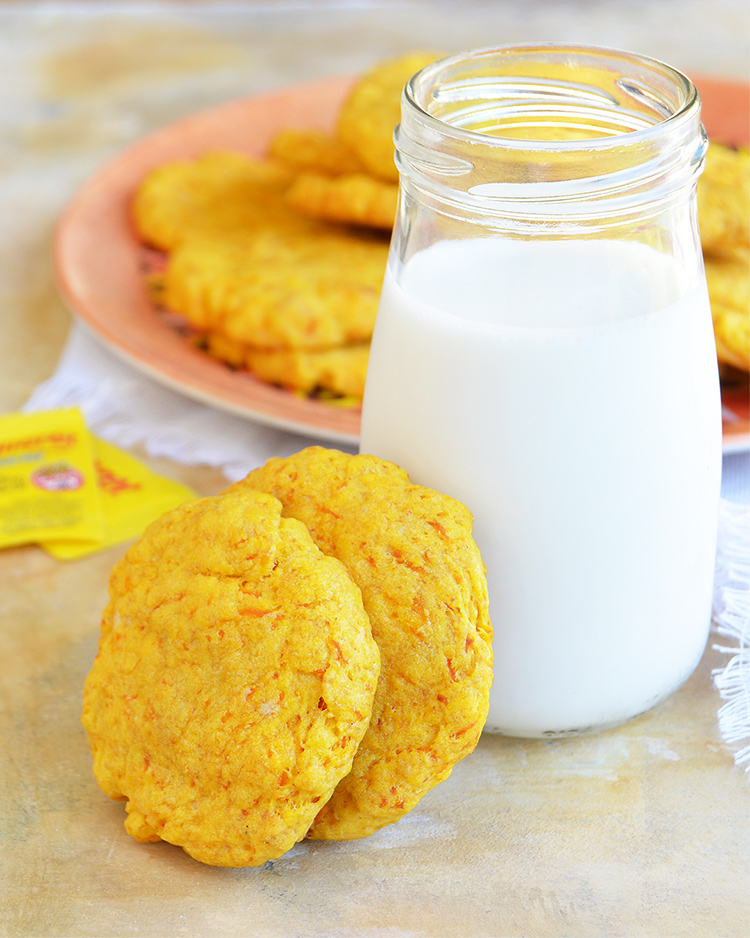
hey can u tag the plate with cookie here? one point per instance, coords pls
(237, 255)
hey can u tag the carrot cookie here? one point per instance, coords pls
(729, 291)
(234, 680)
(311, 150)
(340, 369)
(218, 192)
(349, 199)
(372, 109)
(246, 266)
(724, 201)
(278, 287)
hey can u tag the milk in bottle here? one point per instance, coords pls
(543, 352)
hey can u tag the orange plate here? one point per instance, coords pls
(98, 258)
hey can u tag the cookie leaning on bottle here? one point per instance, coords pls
(411, 552)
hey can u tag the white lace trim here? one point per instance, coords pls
(731, 618)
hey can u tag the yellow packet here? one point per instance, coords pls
(48, 485)
(132, 496)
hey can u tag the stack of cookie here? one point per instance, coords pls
(277, 263)
(305, 655)
(264, 288)
(350, 176)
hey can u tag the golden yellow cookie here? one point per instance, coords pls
(313, 150)
(279, 288)
(220, 191)
(234, 680)
(370, 113)
(724, 201)
(729, 291)
(350, 199)
(250, 271)
(411, 552)
(341, 369)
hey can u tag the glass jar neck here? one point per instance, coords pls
(548, 132)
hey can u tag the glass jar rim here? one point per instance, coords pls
(555, 89)
(687, 111)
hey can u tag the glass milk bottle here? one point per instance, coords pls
(544, 352)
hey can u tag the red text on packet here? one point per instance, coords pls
(110, 482)
(55, 439)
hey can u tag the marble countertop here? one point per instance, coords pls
(638, 831)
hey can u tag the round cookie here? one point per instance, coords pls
(307, 149)
(423, 583)
(724, 201)
(340, 370)
(372, 109)
(234, 680)
(729, 291)
(246, 266)
(219, 191)
(349, 199)
(276, 288)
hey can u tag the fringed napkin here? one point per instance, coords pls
(127, 408)
(731, 615)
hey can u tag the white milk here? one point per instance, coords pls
(565, 394)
